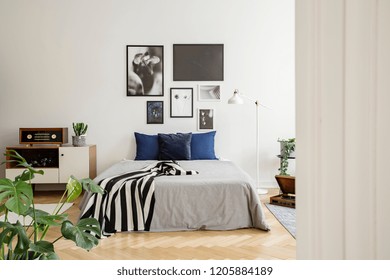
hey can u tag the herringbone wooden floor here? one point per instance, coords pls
(245, 244)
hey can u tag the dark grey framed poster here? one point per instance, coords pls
(145, 70)
(198, 62)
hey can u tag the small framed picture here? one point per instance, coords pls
(154, 112)
(145, 70)
(206, 119)
(209, 92)
(182, 101)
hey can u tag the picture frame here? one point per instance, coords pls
(182, 102)
(209, 92)
(206, 119)
(154, 112)
(198, 62)
(145, 70)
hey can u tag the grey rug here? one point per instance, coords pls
(285, 215)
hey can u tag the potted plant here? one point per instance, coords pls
(18, 242)
(285, 181)
(80, 130)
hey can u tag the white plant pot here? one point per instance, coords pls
(79, 141)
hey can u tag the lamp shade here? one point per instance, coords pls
(236, 98)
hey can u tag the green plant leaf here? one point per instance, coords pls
(42, 217)
(80, 128)
(27, 175)
(90, 186)
(49, 256)
(83, 233)
(19, 195)
(43, 247)
(10, 232)
(73, 188)
(2, 209)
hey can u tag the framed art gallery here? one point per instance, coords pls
(145, 70)
(198, 62)
(182, 102)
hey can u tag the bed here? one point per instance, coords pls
(220, 197)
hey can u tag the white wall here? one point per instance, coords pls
(343, 100)
(64, 62)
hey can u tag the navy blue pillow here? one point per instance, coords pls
(175, 146)
(202, 146)
(147, 146)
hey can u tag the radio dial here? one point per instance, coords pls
(29, 136)
(53, 136)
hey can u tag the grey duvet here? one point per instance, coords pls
(220, 197)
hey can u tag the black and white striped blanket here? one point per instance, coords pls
(128, 201)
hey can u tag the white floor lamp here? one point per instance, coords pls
(237, 98)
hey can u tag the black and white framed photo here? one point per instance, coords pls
(198, 62)
(145, 70)
(182, 102)
(206, 119)
(209, 92)
(154, 112)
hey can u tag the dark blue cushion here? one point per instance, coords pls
(147, 146)
(202, 146)
(175, 146)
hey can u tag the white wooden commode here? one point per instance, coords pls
(57, 162)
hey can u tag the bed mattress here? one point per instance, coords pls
(221, 197)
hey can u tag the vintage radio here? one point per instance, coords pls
(54, 135)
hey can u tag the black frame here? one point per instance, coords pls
(198, 62)
(172, 100)
(210, 119)
(149, 118)
(146, 77)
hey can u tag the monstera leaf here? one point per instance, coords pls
(73, 189)
(29, 172)
(18, 194)
(42, 247)
(10, 232)
(90, 186)
(44, 218)
(83, 233)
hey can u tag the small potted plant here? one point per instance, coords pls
(80, 130)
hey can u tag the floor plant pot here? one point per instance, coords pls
(79, 141)
(286, 183)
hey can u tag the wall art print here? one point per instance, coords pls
(209, 92)
(154, 112)
(145, 70)
(182, 100)
(206, 119)
(198, 62)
